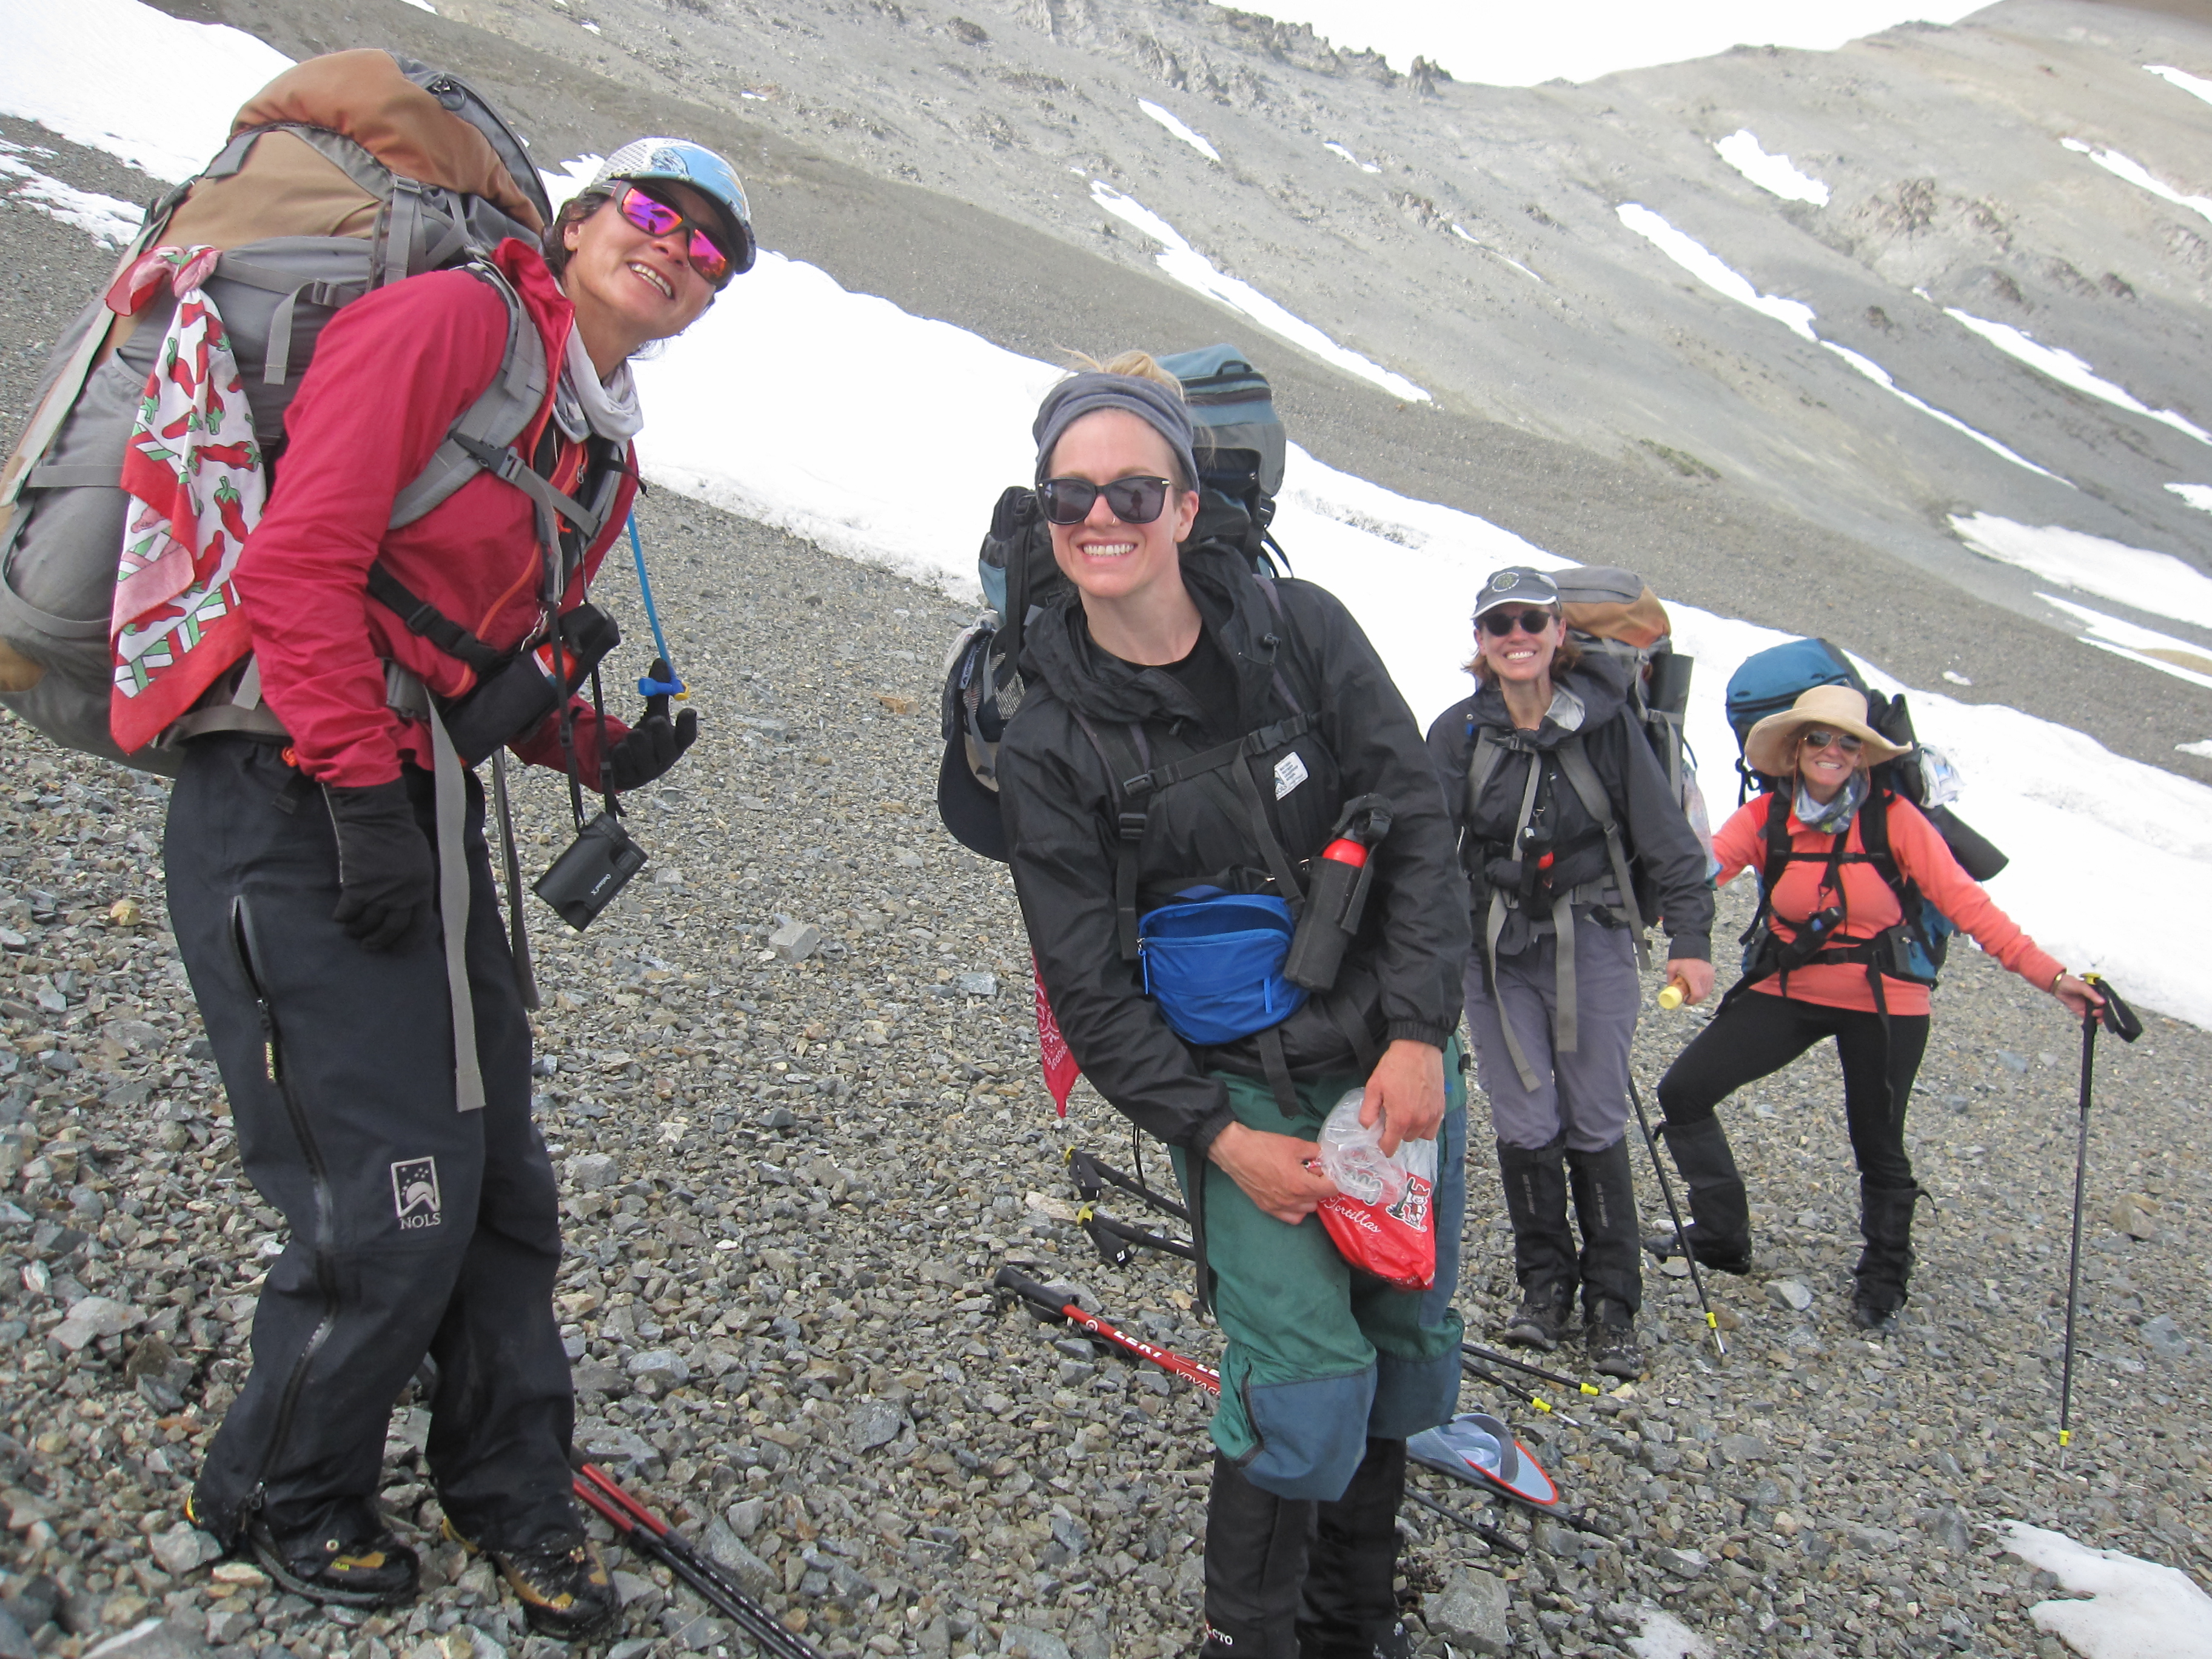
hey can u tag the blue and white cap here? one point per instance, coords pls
(679, 161)
(1517, 584)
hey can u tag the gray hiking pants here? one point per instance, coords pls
(1584, 1093)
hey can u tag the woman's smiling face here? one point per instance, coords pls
(1824, 769)
(1106, 558)
(640, 286)
(1520, 657)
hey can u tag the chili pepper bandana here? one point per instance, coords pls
(196, 487)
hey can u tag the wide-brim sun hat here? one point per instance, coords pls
(1770, 746)
(678, 161)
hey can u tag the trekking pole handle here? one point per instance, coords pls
(1672, 995)
(2116, 1016)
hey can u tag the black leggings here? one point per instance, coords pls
(1760, 1034)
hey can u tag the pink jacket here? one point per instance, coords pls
(1869, 906)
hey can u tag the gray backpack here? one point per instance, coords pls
(308, 219)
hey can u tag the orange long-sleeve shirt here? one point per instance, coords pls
(1869, 906)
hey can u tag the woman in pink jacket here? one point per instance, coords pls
(1834, 964)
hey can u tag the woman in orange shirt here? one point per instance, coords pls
(1836, 933)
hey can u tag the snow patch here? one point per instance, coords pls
(2067, 369)
(2135, 1609)
(2197, 495)
(1795, 316)
(1167, 119)
(1707, 268)
(1665, 1637)
(2182, 79)
(2136, 576)
(119, 76)
(2136, 174)
(2204, 750)
(1364, 166)
(1956, 679)
(1461, 232)
(2183, 659)
(1875, 371)
(1195, 271)
(108, 220)
(424, 5)
(1741, 151)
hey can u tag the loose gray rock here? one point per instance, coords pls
(662, 1365)
(1949, 1529)
(152, 1638)
(795, 941)
(744, 1515)
(183, 1548)
(15, 1643)
(93, 1317)
(976, 985)
(873, 1423)
(1790, 1295)
(2164, 1338)
(591, 1172)
(1024, 1642)
(1469, 1612)
(722, 1542)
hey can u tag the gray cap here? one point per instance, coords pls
(1517, 584)
(1159, 407)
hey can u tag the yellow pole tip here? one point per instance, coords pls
(2065, 1437)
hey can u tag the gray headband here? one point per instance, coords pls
(1151, 403)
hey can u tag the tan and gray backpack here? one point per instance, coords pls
(345, 173)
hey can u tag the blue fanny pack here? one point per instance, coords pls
(1214, 965)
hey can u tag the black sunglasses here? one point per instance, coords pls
(1818, 737)
(1132, 500)
(1499, 623)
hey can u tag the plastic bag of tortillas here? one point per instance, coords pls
(1380, 1217)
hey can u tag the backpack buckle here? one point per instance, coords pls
(1131, 825)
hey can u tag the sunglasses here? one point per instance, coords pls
(1132, 500)
(1818, 737)
(1499, 624)
(656, 218)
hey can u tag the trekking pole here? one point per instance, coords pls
(1494, 1358)
(1681, 1238)
(648, 1534)
(1475, 1368)
(1488, 1534)
(1052, 1305)
(650, 687)
(2121, 1020)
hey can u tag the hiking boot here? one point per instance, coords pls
(1541, 1321)
(377, 1571)
(562, 1585)
(1719, 1233)
(1605, 1207)
(1535, 1182)
(1609, 1334)
(1886, 1265)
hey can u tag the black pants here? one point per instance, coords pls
(1760, 1034)
(414, 1228)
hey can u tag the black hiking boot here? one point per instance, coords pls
(1605, 1208)
(1719, 1231)
(373, 1571)
(1541, 1320)
(1535, 1183)
(1609, 1334)
(562, 1585)
(1885, 1264)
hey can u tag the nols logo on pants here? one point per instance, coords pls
(414, 1197)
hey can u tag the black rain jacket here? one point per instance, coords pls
(1401, 976)
(1660, 840)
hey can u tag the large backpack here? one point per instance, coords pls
(346, 173)
(1616, 619)
(1767, 683)
(1240, 453)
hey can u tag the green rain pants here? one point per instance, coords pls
(1320, 1359)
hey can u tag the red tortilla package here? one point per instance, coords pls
(1381, 1218)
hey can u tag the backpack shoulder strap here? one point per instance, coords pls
(483, 436)
(1292, 655)
(1597, 801)
(1125, 768)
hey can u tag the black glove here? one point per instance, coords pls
(387, 878)
(653, 745)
